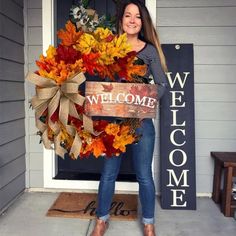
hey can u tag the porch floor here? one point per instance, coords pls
(26, 217)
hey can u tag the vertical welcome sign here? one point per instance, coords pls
(177, 142)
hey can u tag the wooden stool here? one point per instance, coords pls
(224, 161)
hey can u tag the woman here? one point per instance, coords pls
(135, 21)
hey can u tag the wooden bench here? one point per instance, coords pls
(224, 162)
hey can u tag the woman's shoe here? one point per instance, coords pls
(149, 230)
(100, 228)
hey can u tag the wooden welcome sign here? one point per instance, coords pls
(121, 99)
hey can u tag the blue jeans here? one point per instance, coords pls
(142, 161)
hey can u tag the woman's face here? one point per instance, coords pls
(131, 20)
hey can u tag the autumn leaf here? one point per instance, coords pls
(108, 142)
(99, 125)
(67, 54)
(107, 88)
(97, 147)
(65, 138)
(109, 50)
(75, 122)
(55, 116)
(103, 34)
(129, 68)
(112, 129)
(143, 91)
(69, 36)
(123, 138)
(90, 63)
(86, 43)
(51, 52)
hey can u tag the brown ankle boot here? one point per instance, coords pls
(149, 230)
(100, 228)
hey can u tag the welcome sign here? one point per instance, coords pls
(121, 99)
(178, 175)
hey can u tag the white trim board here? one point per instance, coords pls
(49, 160)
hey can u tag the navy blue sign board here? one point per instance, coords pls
(177, 129)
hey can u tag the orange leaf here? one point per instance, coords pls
(132, 69)
(97, 146)
(69, 36)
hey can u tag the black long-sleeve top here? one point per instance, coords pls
(151, 58)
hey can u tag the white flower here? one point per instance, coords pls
(92, 25)
(75, 11)
(82, 9)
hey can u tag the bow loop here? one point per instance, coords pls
(50, 96)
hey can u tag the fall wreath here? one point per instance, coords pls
(85, 49)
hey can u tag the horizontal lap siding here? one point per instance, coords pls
(15, 34)
(210, 25)
(13, 11)
(19, 2)
(16, 54)
(201, 36)
(9, 154)
(11, 170)
(12, 111)
(11, 191)
(194, 3)
(197, 16)
(11, 130)
(34, 49)
(11, 91)
(11, 71)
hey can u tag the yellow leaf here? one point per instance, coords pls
(86, 43)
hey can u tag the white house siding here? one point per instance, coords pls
(12, 114)
(210, 26)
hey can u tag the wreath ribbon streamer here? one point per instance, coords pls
(50, 95)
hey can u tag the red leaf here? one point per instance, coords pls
(67, 54)
(100, 125)
(55, 116)
(107, 88)
(108, 141)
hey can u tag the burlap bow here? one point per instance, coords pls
(50, 95)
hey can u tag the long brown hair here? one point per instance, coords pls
(148, 32)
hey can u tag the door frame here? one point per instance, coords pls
(49, 159)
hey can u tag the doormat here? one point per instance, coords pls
(83, 205)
